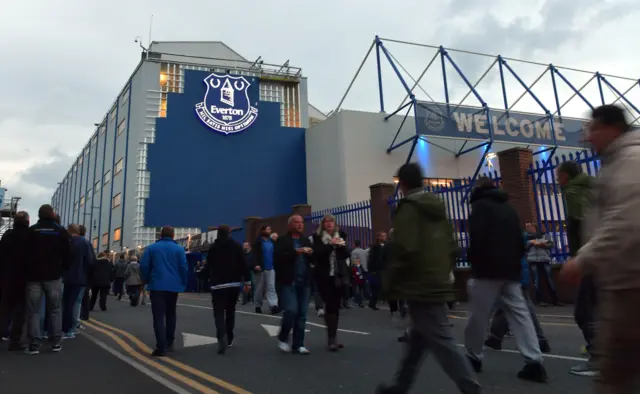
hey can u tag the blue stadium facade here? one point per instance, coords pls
(198, 136)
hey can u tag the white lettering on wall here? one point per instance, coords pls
(526, 128)
(481, 124)
(464, 121)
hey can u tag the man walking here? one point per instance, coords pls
(75, 279)
(50, 255)
(228, 274)
(293, 268)
(421, 260)
(83, 304)
(119, 269)
(577, 191)
(100, 279)
(496, 248)
(14, 249)
(164, 268)
(610, 255)
(263, 270)
(375, 265)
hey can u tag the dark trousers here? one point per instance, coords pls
(70, 295)
(118, 286)
(134, 294)
(375, 284)
(358, 293)
(432, 332)
(163, 308)
(85, 308)
(13, 311)
(102, 291)
(542, 273)
(224, 312)
(332, 296)
(395, 306)
(584, 312)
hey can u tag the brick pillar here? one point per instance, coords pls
(251, 227)
(302, 209)
(514, 164)
(380, 210)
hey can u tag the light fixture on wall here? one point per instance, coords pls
(490, 156)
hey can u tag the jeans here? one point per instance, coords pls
(432, 332)
(77, 309)
(265, 284)
(295, 303)
(163, 308)
(69, 301)
(542, 271)
(358, 293)
(134, 294)
(52, 292)
(224, 312)
(484, 294)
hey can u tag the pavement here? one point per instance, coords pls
(112, 355)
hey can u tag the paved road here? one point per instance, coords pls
(254, 365)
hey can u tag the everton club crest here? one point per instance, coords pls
(226, 107)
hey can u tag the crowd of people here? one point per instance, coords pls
(412, 269)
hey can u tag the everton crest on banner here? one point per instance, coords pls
(226, 106)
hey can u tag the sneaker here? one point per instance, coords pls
(584, 351)
(170, 349)
(509, 334)
(585, 369)
(302, 350)
(544, 346)
(493, 343)
(275, 310)
(222, 346)
(231, 342)
(258, 310)
(32, 349)
(283, 346)
(69, 335)
(5, 339)
(533, 373)
(320, 312)
(158, 353)
(56, 348)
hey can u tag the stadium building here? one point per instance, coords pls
(197, 134)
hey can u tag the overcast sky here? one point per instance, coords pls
(64, 62)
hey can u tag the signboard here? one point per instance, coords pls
(470, 123)
(226, 106)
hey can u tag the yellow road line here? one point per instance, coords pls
(181, 378)
(196, 372)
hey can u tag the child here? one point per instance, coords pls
(357, 275)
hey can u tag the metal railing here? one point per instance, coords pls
(354, 219)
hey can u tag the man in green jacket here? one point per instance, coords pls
(421, 260)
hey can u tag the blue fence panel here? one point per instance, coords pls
(453, 195)
(550, 206)
(354, 219)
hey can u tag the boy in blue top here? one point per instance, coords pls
(165, 270)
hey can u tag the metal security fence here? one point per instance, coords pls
(455, 195)
(550, 205)
(354, 219)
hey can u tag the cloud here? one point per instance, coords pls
(66, 61)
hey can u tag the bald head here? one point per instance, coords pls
(167, 232)
(74, 229)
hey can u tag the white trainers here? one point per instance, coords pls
(320, 312)
(283, 346)
(303, 350)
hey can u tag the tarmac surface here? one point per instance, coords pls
(112, 356)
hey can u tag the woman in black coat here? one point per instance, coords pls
(330, 254)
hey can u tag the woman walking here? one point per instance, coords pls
(331, 272)
(133, 280)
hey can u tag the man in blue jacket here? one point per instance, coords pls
(75, 279)
(165, 270)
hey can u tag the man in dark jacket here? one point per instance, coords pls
(421, 259)
(13, 253)
(75, 279)
(101, 276)
(376, 262)
(293, 273)
(495, 253)
(577, 191)
(50, 255)
(228, 274)
(119, 269)
(85, 301)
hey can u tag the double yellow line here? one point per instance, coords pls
(143, 356)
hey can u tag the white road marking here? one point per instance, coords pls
(141, 368)
(274, 317)
(557, 356)
(274, 330)
(193, 340)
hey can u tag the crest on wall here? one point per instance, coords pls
(226, 106)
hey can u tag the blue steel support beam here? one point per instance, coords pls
(464, 152)
(395, 69)
(599, 78)
(462, 147)
(555, 70)
(622, 96)
(378, 43)
(398, 110)
(475, 174)
(392, 147)
(555, 91)
(504, 89)
(401, 143)
(424, 138)
(444, 78)
(464, 78)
